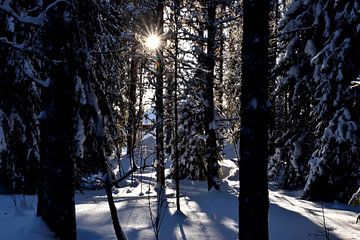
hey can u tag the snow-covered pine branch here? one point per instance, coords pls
(17, 46)
(31, 73)
(356, 83)
(38, 20)
(355, 198)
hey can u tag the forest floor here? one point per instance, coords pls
(205, 215)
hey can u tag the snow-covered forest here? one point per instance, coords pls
(182, 119)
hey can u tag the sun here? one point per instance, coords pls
(153, 41)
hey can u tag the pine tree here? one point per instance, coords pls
(19, 104)
(101, 104)
(232, 71)
(334, 165)
(198, 129)
(293, 97)
(191, 132)
(317, 63)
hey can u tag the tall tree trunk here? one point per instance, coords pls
(211, 146)
(159, 102)
(131, 133)
(220, 83)
(254, 199)
(56, 186)
(176, 128)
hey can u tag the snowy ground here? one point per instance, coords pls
(206, 215)
(20, 222)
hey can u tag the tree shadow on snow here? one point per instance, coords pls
(285, 224)
(85, 234)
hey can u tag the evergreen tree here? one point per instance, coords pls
(232, 71)
(293, 138)
(317, 63)
(198, 129)
(191, 137)
(20, 62)
(334, 165)
(100, 103)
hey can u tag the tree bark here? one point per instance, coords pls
(176, 135)
(253, 198)
(56, 186)
(120, 235)
(113, 211)
(211, 146)
(131, 127)
(159, 102)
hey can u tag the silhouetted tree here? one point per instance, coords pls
(255, 107)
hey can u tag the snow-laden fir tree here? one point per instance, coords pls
(192, 137)
(197, 103)
(292, 109)
(318, 60)
(334, 165)
(19, 90)
(191, 132)
(99, 85)
(232, 71)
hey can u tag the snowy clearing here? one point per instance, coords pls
(206, 215)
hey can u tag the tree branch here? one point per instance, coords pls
(18, 46)
(37, 20)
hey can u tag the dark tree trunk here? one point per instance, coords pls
(131, 134)
(176, 135)
(120, 235)
(113, 211)
(56, 186)
(253, 199)
(169, 113)
(211, 146)
(159, 104)
(220, 83)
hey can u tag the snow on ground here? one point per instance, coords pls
(205, 215)
(20, 222)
